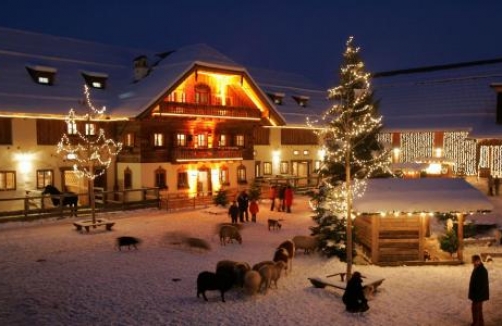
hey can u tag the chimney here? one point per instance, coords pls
(141, 68)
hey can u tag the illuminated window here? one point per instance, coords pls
(306, 152)
(239, 140)
(317, 165)
(90, 129)
(129, 140)
(158, 140)
(44, 178)
(296, 152)
(182, 180)
(127, 178)
(223, 141)
(224, 176)
(42, 75)
(160, 178)
(202, 94)
(301, 100)
(181, 140)
(202, 140)
(71, 128)
(277, 98)
(7, 180)
(95, 80)
(284, 167)
(267, 168)
(241, 174)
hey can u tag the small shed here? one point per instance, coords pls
(393, 215)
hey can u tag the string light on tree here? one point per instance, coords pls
(352, 154)
(88, 151)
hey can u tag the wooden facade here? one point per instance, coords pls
(392, 239)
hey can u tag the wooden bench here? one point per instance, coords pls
(80, 225)
(370, 284)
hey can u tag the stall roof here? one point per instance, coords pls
(421, 195)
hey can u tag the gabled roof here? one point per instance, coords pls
(450, 97)
(122, 96)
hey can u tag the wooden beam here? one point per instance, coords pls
(460, 236)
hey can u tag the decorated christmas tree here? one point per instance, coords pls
(88, 150)
(352, 154)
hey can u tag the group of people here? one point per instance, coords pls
(282, 196)
(240, 208)
(479, 291)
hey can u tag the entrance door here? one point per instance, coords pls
(203, 182)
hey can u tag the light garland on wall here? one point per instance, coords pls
(461, 151)
(415, 145)
(490, 157)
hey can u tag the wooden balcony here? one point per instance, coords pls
(190, 109)
(207, 154)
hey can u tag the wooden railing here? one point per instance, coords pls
(208, 110)
(189, 154)
(32, 207)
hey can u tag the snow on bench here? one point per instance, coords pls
(88, 224)
(370, 284)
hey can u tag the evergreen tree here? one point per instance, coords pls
(352, 154)
(255, 190)
(221, 198)
(449, 242)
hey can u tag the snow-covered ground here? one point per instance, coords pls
(51, 274)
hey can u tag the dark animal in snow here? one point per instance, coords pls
(209, 281)
(127, 241)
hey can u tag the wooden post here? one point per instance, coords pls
(421, 236)
(460, 236)
(375, 238)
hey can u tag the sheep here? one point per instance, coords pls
(209, 281)
(237, 269)
(197, 243)
(127, 241)
(289, 246)
(281, 254)
(276, 272)
(252, 281)
(306, 242)
(230, 232)
(257, 266)
(266, 276)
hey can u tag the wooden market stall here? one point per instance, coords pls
(393, 215)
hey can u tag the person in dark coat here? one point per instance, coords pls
(281, 193)
(479, 290)
(288, 198)
(233, 211)
(243, 201)
(273, 195)
(353, 297)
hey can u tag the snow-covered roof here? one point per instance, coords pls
(123, 97)
(421, 195)
(453, 99)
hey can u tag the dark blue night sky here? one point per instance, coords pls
(305, 37)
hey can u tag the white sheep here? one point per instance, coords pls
(276, 272)
(252, 281)
(306, 242)
(230, 232)
(266, 277)
(257, 266)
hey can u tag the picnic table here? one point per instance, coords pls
(87, 224)
(370, 284)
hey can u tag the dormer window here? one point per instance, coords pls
(301, 100)
(277, 98)
(95, 79)
(42, 75)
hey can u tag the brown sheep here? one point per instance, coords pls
(306, 242)
(237, 269)
(252, 281)
(229, 232)
(257, 266)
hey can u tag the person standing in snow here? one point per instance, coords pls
(253, 209)
(233, 211)
(479, 290)
(243, 201)
(272, 196)
(353, 297)
(288, 198)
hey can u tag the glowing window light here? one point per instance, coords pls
(434, 168)
(43, 80)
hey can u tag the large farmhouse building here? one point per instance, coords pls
(192, 120)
